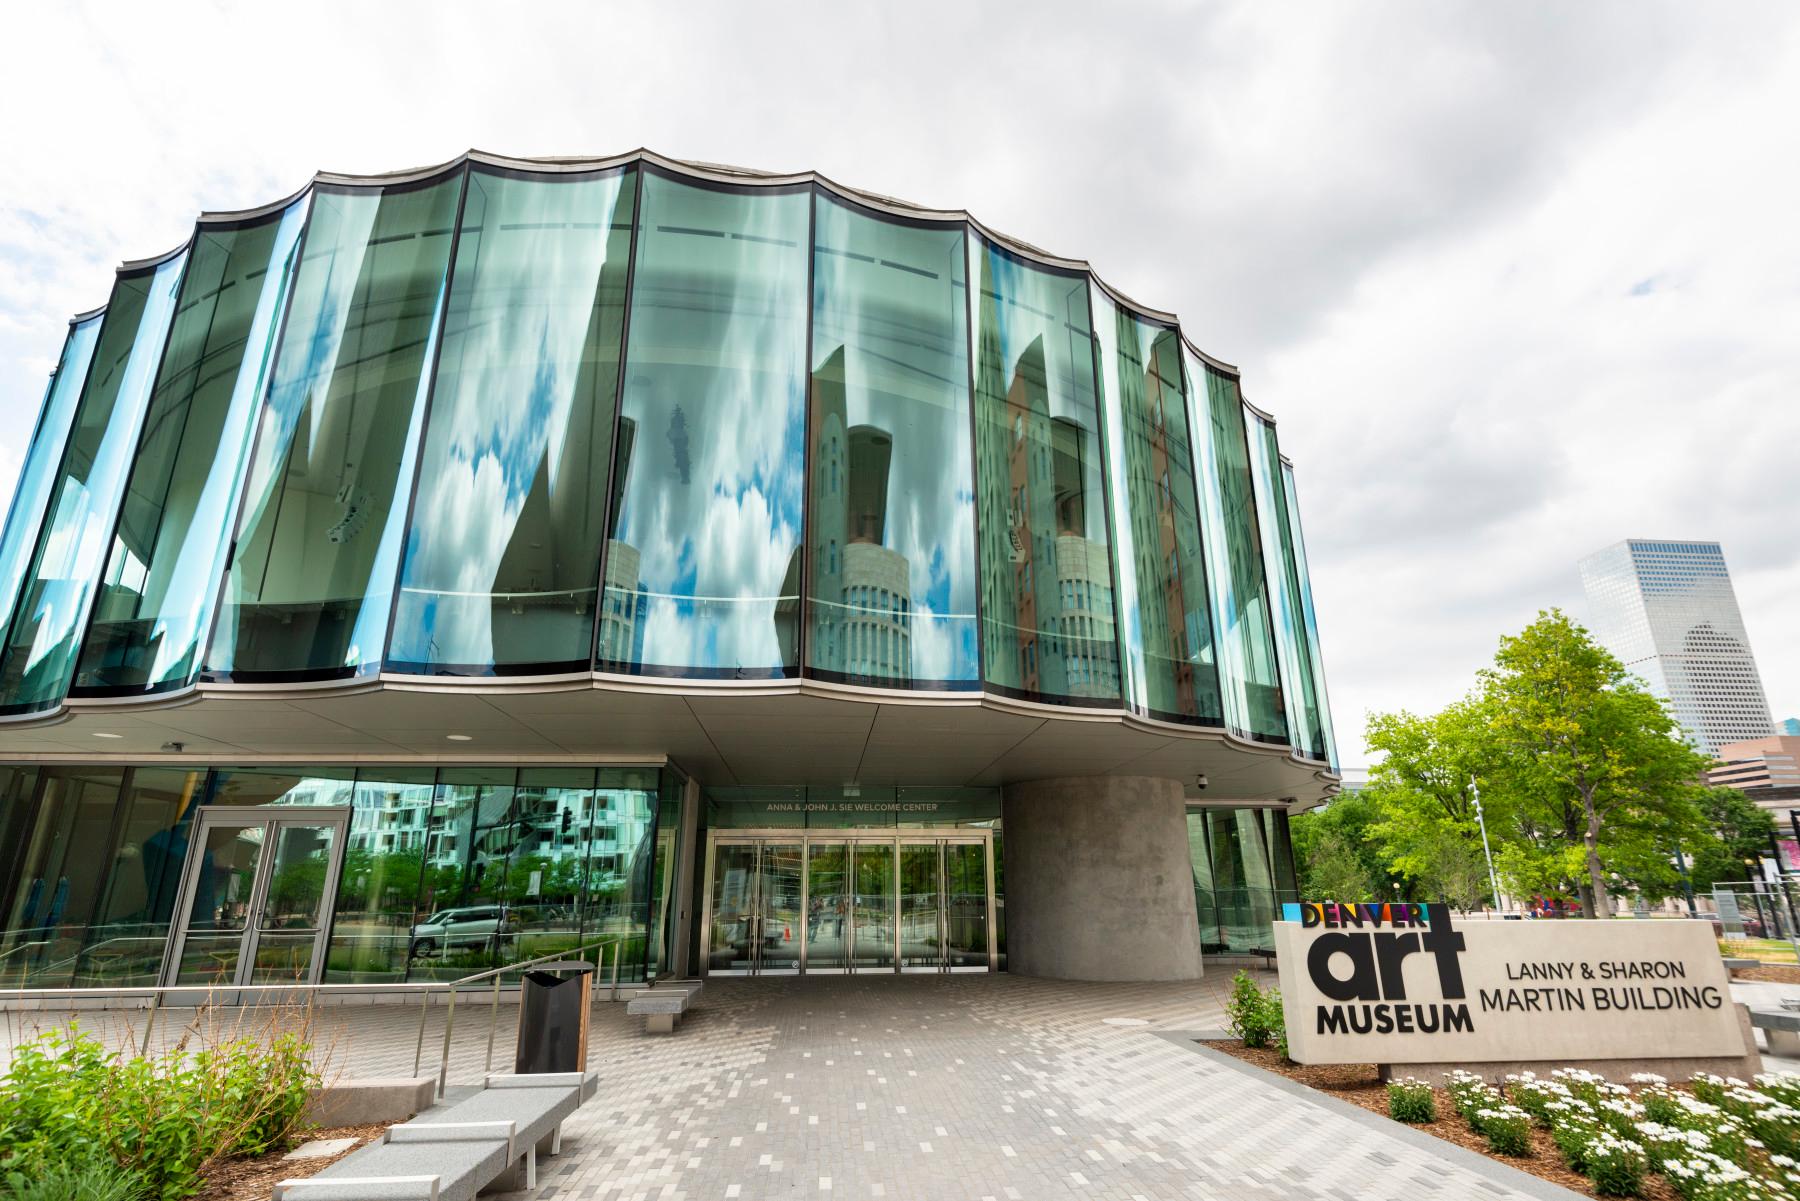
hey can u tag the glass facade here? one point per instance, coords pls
(159, 586)
(309, 589)
(37, 474)
(502, 564)
(1046, 563)
(1164, 621)
(703, 570)
(1243, 629)
(1309, 617)
(441, 872)
(504, 421)
(82, 506)
(891, 591)
(1305, 724)
(1243, 863)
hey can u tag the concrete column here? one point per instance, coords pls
(1098, 884)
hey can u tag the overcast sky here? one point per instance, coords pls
(1517, 280)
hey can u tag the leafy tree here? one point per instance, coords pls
(1740, 829)
(1335, 856)
(1588, 759)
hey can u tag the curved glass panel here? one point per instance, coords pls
(26, 516)
(39, 655)
(1166, 628)
(891, 530)
(1292, 658)
(1243, 631)
(161, 579)
(503, 560)
(703, 570)
(1046, 568)
(1325, 740)
(311, 582)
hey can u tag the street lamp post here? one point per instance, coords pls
(1493, 880)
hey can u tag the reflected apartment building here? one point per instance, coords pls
(751, 573)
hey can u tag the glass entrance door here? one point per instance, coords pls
(255, 903)
(756, 907)
(848, 902)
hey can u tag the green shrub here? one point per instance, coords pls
(76, 1180)
(1275, 1020)
(1411, 1100)
(1471, 1096)
(1247, 1012)
(1615, 1165)
(1507, 1129)
(66, 1100)
(1535, 1095)
(1573, 1136)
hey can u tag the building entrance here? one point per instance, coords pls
(836, 901)
(255, 901)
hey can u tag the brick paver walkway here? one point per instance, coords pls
(918, 1087)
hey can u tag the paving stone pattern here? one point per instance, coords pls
(916, 1087)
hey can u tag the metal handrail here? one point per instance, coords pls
(425, 989)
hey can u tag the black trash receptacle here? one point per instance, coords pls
(553, 1017)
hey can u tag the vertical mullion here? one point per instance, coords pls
(803, 602)
(430, 367)
(640, 180)
(970, 343)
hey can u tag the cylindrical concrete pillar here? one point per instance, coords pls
(1098, 884)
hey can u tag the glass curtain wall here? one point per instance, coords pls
(32, 493)
(702, 574)
(891, 528)
(1046, 566)
(1166, 629)
(1308, 616)
(1307, 732)
(446, 871)
(93, 863)
(502, 563)
(310, 587)
(83, 507)
(161, 579)
(1243, 872)
(1242, 628)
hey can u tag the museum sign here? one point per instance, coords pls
(1411, 984)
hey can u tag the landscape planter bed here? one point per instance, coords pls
(253, 1177)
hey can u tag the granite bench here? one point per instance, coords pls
(661, 1006)
(1782, 1028)
(483, 1143)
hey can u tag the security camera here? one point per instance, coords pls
(1200, 781)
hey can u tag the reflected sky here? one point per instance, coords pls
(715, 384)
(92, 486)
(511, 494)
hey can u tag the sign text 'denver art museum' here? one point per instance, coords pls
(1410, 984)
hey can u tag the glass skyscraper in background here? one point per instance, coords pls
(1667, 610)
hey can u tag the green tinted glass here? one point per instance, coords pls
(703, 570)
(1046, 568)
(1294, 659)
(892, 525)
(1163, 609)
(324, 509)
(39, 656)
(503, 560)
(32, 493)
(161, 579)
(1243, 631)
(1310, 617)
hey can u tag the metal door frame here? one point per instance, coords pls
(897, 840)
(271, 820)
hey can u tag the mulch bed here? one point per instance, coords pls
(253, 1178)
(1775, 973)
(1357, 1083)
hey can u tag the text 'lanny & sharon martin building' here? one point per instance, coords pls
(437, 569)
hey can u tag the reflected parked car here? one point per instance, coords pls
(448, 929)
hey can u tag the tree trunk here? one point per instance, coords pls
(1596, 877)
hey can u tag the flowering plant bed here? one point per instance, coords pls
(1710, 1139)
